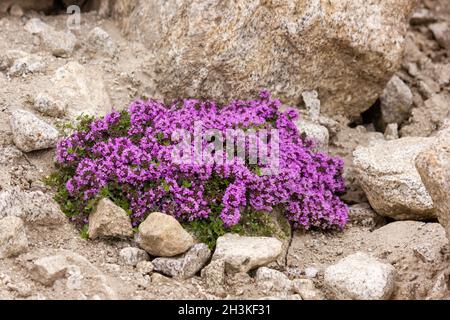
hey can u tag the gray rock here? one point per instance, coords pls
(9, 154)
(306, 289)
(26, 65)
(100, 41)
(363, 215)
(78, 274)
(132, 256)
(387, 174)
(16, 11)
(361, 277)
(441, 32)
(426, 241)
(214, 275)
(316, 132)
(82, 90)
(162, 235)
(109, 220)
(31, 133)
(311, 272)
(312, 104)
(186, 265)
(242, 254)
(33, 207)
(396, 102)
(433, 165)
(145, 267)
(59, 43)
(270, 280)
(391, 132)
(49, 105)
(13, 238)
(239, 60)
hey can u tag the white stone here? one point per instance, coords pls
(82, 90)
(132, 256)
(59, 43)
(99, 40)
(386, 172)
(13, 238)
(50, 106)
(31, 133)
(186, 265)
(109, 220)
(361, 277)
(242, 254)
(270, 280)
(33, 207)
(162, 235)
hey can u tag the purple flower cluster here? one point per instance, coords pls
(133, 151)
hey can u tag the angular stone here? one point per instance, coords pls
(318, 133)
(80, 276)
(162, 235)
(109, 220)
(83, 91)
(132, 256)
(13, 239)
(361, 277)
(242, 254)
(31, 133)
(387, 174)
(33, 207)
(214, 275)
(186, 265)
(441, 32)
(433, 165)
(396, 102)
(59, 43)
(145, 267)
(27, 65)
(405, 237)
(270, 280)
(100, 41)
(49, 105)
(226, 50)
(306, 289)
(363, 215)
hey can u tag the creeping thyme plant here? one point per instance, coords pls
(127, 156)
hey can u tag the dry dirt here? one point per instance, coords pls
(125, 78)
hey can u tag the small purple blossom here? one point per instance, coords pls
(139, 162)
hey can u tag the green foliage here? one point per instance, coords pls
(252, 223)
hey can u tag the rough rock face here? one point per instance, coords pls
(31, 133)
(13, 239)
(82, 91)
(80, 278)
(226, 50)
(270, 280)
(186, 265)
(434, 168)
(132, 256)
(59, 43)
(425, 241)
(162, 235)
(388, 176)
(109, 220)
(214, 276)
(242, 254)
(396, 102)
(360, 277)
(34, 207)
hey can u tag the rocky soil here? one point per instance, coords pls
(396, 153)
